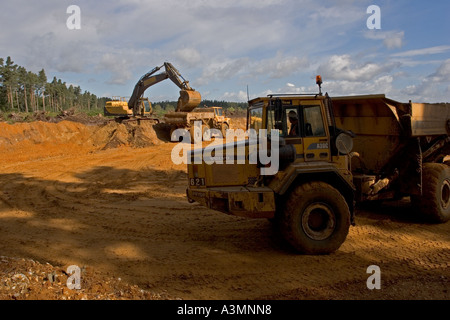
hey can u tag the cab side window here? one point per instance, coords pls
(292, 122)
(313, 123)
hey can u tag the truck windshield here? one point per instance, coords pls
(293, 121)
(218, 112)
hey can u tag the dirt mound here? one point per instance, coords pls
(135, 134)
(108, 135)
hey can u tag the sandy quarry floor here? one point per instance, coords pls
(114, 204)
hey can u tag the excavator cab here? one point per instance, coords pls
(145, 107)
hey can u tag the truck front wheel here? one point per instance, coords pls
(434, 203)
(224, 127)
(316, 218)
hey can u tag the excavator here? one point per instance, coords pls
(140, 107)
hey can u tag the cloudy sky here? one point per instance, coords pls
(273, 46)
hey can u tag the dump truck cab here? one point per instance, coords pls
(308, 140)
(221, 122)
(310, 194)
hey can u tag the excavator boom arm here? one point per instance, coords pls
(149, 79)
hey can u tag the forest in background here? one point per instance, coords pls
(25, 91)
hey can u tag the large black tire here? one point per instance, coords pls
(434, 204)
(315, 219)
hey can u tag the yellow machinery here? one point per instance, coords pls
(137, 106)
(118, 107)
(188, 100)
(211, 118)
(330, 154)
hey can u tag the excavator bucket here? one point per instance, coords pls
(188, 100)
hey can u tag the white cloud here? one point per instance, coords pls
(276, 67)
(391, 39)
(421, 52)
(240, 96)
(432, 88)
(221, 70)
(394, 41)
(123, 65)
(344, 68)
(188, 57)
(382, 84)
(442, 74)
(118, 66)
(279, 66)
(414, 63)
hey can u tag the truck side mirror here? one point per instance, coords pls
(344, 142)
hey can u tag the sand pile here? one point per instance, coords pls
(135, 134)
(69, 134)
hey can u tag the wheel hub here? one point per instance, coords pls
(318, 221)
(445, 194)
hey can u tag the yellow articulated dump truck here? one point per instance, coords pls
(308, 159)
(210, 118)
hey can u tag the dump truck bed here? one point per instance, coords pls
(411, 119)
(382, 126)
(429, 119)
(186, 118)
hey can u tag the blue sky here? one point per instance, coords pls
(273, 46)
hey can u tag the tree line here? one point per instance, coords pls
(25, 91)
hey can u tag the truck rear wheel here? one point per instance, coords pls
(434, 204)
(316, 218)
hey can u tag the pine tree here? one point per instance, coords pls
(2, 85)
(10, 80)
(42, 81)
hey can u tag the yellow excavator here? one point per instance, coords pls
(140, 107)
(118, 107)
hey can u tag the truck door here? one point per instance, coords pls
(314, 131)
(291, 128)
